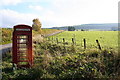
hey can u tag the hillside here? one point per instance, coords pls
(6, 35)
(107, 26)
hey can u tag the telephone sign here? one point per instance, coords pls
(22, 54)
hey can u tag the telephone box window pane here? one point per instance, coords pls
(23, 63)
(22, 39)
(23, 45)
(22, 54)
(22, 49)
(21, 36)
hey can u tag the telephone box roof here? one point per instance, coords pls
(22, 26)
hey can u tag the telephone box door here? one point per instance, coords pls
(22, 46)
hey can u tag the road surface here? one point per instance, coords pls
(5, 48)
(53, 33)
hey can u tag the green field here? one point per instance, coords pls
(107, 39)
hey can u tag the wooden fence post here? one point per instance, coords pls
(98, 44)
(73, 41)
(84, 43)
(57, 40)
(48, 39)
(63, 40)
(52, 38)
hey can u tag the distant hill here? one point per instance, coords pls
(107, 26)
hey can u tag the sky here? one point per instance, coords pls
(57, 13)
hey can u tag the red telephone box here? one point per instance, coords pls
(22, 46)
